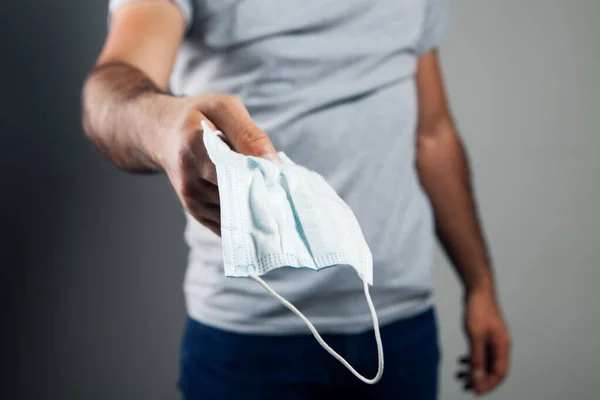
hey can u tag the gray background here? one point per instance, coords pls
(93, 259)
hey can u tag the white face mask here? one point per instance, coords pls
(284, 215)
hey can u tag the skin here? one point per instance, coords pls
(130, 116)
(132, 119)
(444, 173)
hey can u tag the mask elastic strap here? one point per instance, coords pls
(320, 339)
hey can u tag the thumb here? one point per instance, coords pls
(232, 118)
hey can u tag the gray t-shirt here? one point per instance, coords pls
(332, 84)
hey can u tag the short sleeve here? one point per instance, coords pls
(436, 25)
(185, 6)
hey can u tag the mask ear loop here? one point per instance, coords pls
(322, 342)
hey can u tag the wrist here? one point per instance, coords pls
(480, 283)
(162, 113)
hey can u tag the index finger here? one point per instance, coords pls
(232, 118)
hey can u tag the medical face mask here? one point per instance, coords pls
(276, 215)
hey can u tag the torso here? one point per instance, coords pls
(332, 83)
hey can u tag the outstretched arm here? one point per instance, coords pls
(130, 116)
(125, 105)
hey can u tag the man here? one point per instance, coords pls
(351, 89)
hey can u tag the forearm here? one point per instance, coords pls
(444, 173)
(125, 116)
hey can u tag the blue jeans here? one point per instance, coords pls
(217, 364)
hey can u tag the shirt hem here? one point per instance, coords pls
(358, 325)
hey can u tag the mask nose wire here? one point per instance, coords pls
(322, 342)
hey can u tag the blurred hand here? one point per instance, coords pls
(183, 157)
(489, 341)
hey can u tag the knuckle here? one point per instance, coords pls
(231, 100)
(186, 163)
(186, 191)
(186, 188)
(221, 103)
(190, 121)
(207, 171)
(205, 174)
